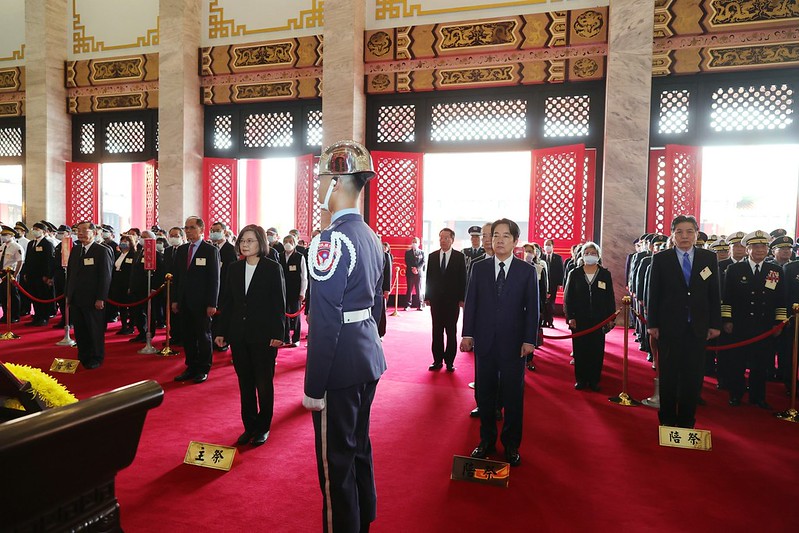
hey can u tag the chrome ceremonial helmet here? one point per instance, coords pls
(346, 158)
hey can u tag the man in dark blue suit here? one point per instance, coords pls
(500, 323)
(196, 279)
(345, 357)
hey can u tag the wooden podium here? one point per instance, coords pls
(59, 464)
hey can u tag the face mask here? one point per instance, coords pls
(289, 248)
(124, 246)
(528, 257)
(271, 239)
(106, 235)
(174, 241)
(591, 259)
(37, 233)
(8, 238)
(59, 236)
(216, 236)
(548, 249)
(159, 246)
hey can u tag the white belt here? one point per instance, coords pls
(356, 316)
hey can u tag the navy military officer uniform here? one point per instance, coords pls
(345, 361)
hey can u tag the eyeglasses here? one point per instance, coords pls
(249, 241)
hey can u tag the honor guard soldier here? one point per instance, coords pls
(475, 250)
(11, 256)
(754, 300)
(345, 357)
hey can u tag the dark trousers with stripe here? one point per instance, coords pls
(344, 459)
(681, 357)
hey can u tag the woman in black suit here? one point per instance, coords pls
(588, 299)
(251, 320)
(120, 281)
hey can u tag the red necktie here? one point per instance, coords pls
(188, 255)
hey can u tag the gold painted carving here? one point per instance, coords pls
(394, 9)
(83, 43)
(589, 24)
(260, 91)
(585, 67)
(379, 44)
(557, 70)
(661, 63)
(403, 42)
(220, 27)
(776, 54)
(727, 12)
(471, 76)
(16, 55)
(117, 69)
(263, 55)
(10, 109)
(462, 36)
(9, 79)
(663, 19)
(557, 28)
(404, 82)
(119, 101)
(381, 82)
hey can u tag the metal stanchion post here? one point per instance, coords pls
(791, 415)
(654, 400)
(8, 335)
(166, 350)
(66, 341)
(148, 348)
(623, 398)
(396, 292)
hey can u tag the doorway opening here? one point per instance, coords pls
(10, 193)
(267, 193)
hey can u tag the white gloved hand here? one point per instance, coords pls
(313, 404)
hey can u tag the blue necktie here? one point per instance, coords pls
(443, 262)
(686, 268)
(500, 278)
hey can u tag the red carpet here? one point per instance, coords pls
(586, 464)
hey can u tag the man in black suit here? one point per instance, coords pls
(227, 256)
(500, 322)
(37, 273)
(444, 292)
(388, 263)
(556, 275)
(88, 280)
(273, 237)
(683, 313)
(59, 281)
(196, 277)
(414, 265)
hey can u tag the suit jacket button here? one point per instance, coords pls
(689, 293)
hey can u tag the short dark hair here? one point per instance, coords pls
(135, 231)
(180, 230)
(451, 232)
(260, 236)
(684, 218)
(91, 224)
(222, 224)
(514, 227)
(197, 220)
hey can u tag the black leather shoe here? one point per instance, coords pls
(594, 387)
(512, 456)
(185, 376)
(580, 385)
(199, 378)
(499, 414)
(434, 367)
(450, 368)
(260, 438)
(244, 438)
(735, 402)
(475, 413)
(700, 401)
(483, 449)
(90, 365)
(762, 404)
(531, 367)
(138, 338)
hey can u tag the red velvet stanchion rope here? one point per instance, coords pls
(585, 331)
(140, 302)
(738, 344)
(32, 297)
(295, 315)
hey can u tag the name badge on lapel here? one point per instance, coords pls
(601, 285)
(705, 273)
(292, 268)
(200, 261)
(88, 261)
(38, 248)
(129, 260)
(771, 280)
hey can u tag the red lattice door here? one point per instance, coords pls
(675, 179)
(83, 192)
(395, 202)
(307, 215)
(560, 206)
(220, 191)
(151, 193)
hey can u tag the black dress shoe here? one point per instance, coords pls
(483, 449)
(244, 438)
(531, 367)
(199, 378)
(594, 387)
(580, 385)
(260, 438)
(435, 366)
(512, 456)
(700, 401)
(735, 402)
(475, 413)
(450, 368)
(762, 404)
(90, 365)
(138, 338)
(185, 376)
(125, 331)
(499, 414)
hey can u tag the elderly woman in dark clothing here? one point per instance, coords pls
(588, 300)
